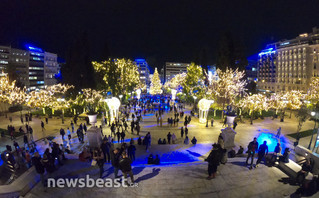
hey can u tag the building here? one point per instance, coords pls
(251, 68)
(144, 71)
(30, 67)
(171, 69)
(51, 68)
(289, 64)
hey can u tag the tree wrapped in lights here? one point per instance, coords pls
(279, 103)
(193, 84)
(120, 75)
(156, 85)
(313, 92)
(293, 98)
(227, 87)
(9, 93)
(91, 99)
(255, 103)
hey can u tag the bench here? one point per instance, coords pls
(302, 151)
(291, 168)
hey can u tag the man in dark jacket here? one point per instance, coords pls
(115, 159)
(105, 146)
(37, 163)
(252, 148)
(126, 168)
(131, 151)
(263, 149)
(213, 161)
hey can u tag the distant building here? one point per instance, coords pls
(290, 64)
(144, 71)
(33, 68)
(251, 68)
(171, 69)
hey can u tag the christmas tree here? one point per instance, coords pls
(156, 85)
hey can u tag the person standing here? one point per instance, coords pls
(235, 124)
(25, 140)
(105, 146)
(169, 136)
(213, 161)
(122, 136)
(252, 148)
(263, 149)
(39, 167)
(126, 168)
(131, 151)
(85, 128)
(115, 159)
(212, 122)
(173, 138)
(47, 120)
(186, 131)
(99, 160)
(182, 132)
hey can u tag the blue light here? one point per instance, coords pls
(35, 49)
(285, 43)
(139, 60)
(40, 82)
(267, 51)
(272, 141)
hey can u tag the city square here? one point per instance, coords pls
(111, 113)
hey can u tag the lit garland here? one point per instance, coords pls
(255, 102)
(228, 86)
(156, 85)
(9, 93)
(313, 93)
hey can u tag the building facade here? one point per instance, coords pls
(290, 64)
(171, 69)
(29, 67)
(251, 68)
(144, 71)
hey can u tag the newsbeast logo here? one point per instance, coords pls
(88, 182)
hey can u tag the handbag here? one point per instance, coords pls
(93, 163)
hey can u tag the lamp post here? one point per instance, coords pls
(174, 94)
(195, 97)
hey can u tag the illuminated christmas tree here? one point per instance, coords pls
(156, 85)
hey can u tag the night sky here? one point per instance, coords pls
(158, 30)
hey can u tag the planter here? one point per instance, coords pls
(230, 120)
(92, 119)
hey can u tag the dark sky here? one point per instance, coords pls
(158, 30)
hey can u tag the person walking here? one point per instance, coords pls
(252, 148)
(263, 149)
(62, 133)
(69, 134)
(47, 120)
(42, 126)
(118, 135)
(126, 168)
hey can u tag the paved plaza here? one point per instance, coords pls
(182, 172)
